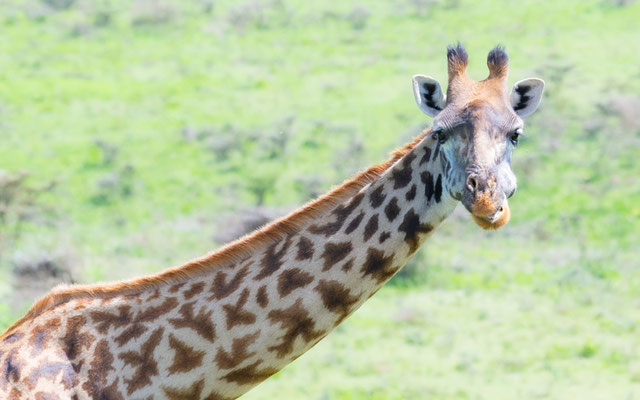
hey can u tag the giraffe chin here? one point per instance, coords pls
(486, 223)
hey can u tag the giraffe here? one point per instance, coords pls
(218, 325)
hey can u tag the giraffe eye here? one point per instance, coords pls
(440, 136)
(515, 135)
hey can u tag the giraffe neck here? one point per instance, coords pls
(217, 334)
(363, 242)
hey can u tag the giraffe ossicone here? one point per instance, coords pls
(219, 325)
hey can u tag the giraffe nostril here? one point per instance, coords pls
(500, 209)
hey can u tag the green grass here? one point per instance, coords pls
(155, 122)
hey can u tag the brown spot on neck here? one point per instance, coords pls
(401, 177)
(305, 249)
(186, 357)
(346, 267)
(143, 362)
(353, 225)
(11, 370)
(249, 374)
(384, 236)
(238, 353)
(336, 297)
(221, 288)
(194, 290)
(154, 312)
(378, 266)
(273, 259)
(191, 393)
(412, 229)
(377, 197)
(75, 340)
(96, 384)
(293, 279)
(411, 193)
(202, 322)
(41, 334)
(236, 314)
(176, 287)
(335, 252)
(105, 320)
(392, 209)
(132, 332)
(262, 298)
(296, 322)
(341, 214)
(371, 227)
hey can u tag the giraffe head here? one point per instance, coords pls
(476, 126)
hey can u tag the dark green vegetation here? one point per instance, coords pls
(132, 132)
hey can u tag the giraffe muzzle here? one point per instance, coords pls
(495, 220)
(486, 202)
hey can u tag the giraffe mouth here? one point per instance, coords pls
(495, 220)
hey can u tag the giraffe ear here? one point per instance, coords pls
(428, 95)
(526, 96)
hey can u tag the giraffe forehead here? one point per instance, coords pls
(478, 113)
(464, 92)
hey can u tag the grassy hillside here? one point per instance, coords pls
(133, 131)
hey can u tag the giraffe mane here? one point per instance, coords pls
(233, 252)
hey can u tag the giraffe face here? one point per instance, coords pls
(478, 141)
(477, 126)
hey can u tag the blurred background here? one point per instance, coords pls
(138, 134)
